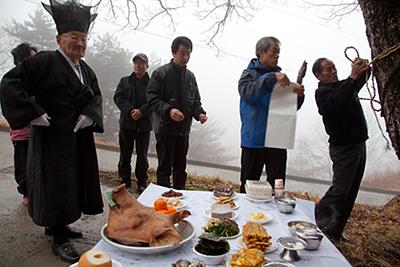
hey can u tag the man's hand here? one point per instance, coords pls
(282, 79)
(298, 89)
(203, 118)
(42, 120)
(176, 115)
(136, 114)
(83, 121)
(358, 67)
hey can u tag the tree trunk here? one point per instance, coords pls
(382, 22)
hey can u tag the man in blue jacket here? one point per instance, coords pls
(135, 124)
(255, 88)
(345, 124)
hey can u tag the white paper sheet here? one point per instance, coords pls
(281, 124)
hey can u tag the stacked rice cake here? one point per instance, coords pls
(255, 236)
(258, 189)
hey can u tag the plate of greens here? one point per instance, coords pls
(223, 228)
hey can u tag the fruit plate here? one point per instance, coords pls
(185, 228)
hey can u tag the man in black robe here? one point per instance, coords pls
(62, 169)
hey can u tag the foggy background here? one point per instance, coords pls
(304, 35)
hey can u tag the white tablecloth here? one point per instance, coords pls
(197, 202)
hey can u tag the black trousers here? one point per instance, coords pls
(334, 208)
(20, 156)
(171, 153)
(127, 139)
(253, 161)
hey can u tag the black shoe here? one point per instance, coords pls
(66, 252)
(68, 231)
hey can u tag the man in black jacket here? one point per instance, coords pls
(345, 124)
(135, 124)
(174, 98)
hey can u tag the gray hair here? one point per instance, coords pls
(264, 43)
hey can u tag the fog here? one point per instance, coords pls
(304, 35)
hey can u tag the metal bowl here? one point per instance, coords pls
(278, 264)
(312, 239)
(301, 225)
(286, 203)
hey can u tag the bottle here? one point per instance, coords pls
(279, 188)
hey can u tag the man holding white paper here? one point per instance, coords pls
(268, 105)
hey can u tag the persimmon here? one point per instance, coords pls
(160, 204)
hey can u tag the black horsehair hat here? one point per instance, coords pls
(70, 15)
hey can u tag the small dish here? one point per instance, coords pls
(211, 260)
(235, 205)
(172, 197)
(233, 196)
(301, 225)
(274, 246)
(267, 217)
(176, 203)
(207, 213)
(114, 264)
(257, 200)
(229, 237)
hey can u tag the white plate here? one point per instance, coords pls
(234, 195)
(185, 228)
(207, 213)
(268, 218)
(114, 264)
(183, 205)
(270, 249)
(183, 195)
(256, 200)
(236, 205)
(229, 237)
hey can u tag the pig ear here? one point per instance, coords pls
(119, 188)
(180, 215)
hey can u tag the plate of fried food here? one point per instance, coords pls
(227, 200)
(260, 217)
(255, 236)
(247, 257)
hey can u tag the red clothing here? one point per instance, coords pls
(20, 134)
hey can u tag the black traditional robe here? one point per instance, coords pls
(62, 168)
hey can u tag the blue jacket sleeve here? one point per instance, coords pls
(251, 86)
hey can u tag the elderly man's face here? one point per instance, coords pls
(74, 44)
(182, 56)
(328, 72)
(269, 58)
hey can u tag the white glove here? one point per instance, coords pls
(83, 122)
(42, 120)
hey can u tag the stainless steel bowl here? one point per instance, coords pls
(301, 225)
(312, 238)
(278, 264)
(286, 203)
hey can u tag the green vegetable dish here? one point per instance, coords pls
(221, 227)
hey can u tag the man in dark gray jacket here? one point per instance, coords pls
(135, 124)
(174, 98)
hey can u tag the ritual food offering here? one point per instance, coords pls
(227, 201)
(258, 190)
(222, 227)
(223, 190)
(172, 194)
(131, 223)
(161, 206)
(211, 249)
(175, 203)
(255, 236)
(221, 211)
(247, 257)
(260, 217)
(95, 258)
(302, 226)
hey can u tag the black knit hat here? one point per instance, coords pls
(70, 15)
